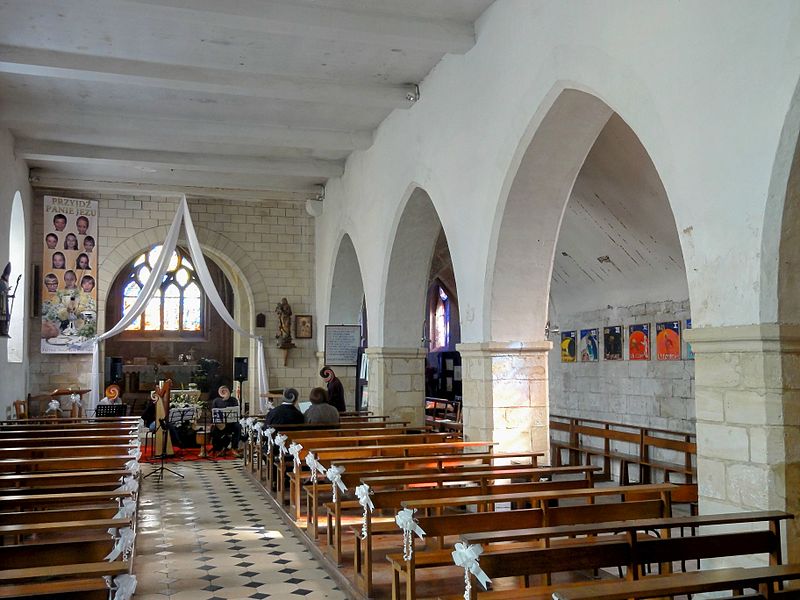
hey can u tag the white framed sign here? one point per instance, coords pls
(341, 344)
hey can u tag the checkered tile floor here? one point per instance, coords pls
(213, 536)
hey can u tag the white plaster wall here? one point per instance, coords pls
(653, 393)
(13, 178)
(688, 78)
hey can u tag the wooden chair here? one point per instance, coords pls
(21, 409)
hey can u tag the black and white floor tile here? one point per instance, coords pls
(213, 536)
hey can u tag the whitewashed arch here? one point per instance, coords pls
(408, 266)
(347, 284)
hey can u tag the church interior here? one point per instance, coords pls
(553, 237)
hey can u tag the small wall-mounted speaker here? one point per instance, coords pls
(240, 368)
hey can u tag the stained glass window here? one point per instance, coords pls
(176, 306)
(440, 320)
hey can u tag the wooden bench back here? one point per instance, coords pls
(55, 553)
(25, 465)
(422, 449)
(54, 515)
(454, 459)
(52, 451)
(459, 524)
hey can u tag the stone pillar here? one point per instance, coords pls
(505, 394)
(396, 385)
(748, 420)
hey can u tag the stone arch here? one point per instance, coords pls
(17, 251)
(409, 262)
(241, 271)
(347, 284)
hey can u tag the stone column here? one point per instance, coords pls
(748, 420)
(396, 385)
(505, 394)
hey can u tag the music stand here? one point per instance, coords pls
(110, 410)
(162, 467)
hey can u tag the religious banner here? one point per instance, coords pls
(588, 347)
(668, 340)
(69, 281)
(612, 342)
(568, 346)
(639, 342)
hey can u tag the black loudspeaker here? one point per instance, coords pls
(240, 368)
(114, 370)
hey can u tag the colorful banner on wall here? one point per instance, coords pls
(689, 351)
(612, 342)
(568, 346)
(69, 275)
(588, 348)
(668, 340)
(639, 342)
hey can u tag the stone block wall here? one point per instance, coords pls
(653, 393)
(269, 250)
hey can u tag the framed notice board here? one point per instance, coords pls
(341, 345)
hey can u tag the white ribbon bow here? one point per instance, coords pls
(76, 399)
(405, 521)
(244, 425)
(125, 585)
(130, 484)
(315, 466)
(334, 475)
(294, 450)
(125, 511)
(248, 422)
(135, 452)
(135, 441)
(123, 546)
(258, 427)
(133, 466)
(280, 442)
(362, 493)
(466, 557)
(269, 433)
(53, 406)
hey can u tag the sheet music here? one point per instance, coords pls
(229, 414)
(179, 415)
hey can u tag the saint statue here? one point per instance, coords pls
(284, 312)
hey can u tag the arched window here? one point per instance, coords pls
(17, 243)
(439, 319)
(177, 306)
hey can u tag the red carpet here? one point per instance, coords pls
(186, 454)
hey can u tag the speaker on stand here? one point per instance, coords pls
(240, 372)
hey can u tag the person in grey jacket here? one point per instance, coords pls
(320, 412)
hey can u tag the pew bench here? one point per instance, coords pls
(538, 525)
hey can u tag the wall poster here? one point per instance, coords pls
(612, 342)
(587, 347)
(668, 340)
(568, 346)
(689, 351)
(639, 342)
(69, 275)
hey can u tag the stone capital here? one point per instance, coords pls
(504, 348)
(761, 337)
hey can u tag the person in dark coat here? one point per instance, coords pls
(335, 389)
(287, 412)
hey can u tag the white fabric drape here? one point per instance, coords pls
(153, 283)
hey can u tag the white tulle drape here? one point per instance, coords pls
(152, 284)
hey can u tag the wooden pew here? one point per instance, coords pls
(637, 551)
(35, 501)
(26, 465)
(45, 451)
(354, 469)
(591, 437)
(44, 480)
(450, 496)
(537, 523)
(315, 444)
(89, 440)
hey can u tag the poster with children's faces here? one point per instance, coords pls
(69, 275)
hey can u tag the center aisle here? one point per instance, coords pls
(213, 535)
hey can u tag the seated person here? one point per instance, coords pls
(320, 412)
(223, 432)
(113, 396)
(287, 412)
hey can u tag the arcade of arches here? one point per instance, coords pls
(553, 178)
